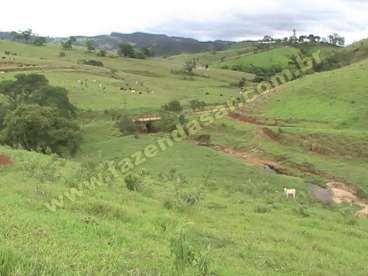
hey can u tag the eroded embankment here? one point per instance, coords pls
(336, 192)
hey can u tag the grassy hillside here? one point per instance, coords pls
(196, 210)
(315, 126)
(273, 57)
(337, 97)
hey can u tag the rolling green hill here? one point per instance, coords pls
(217, 209)
(274, 57)
(338, 97)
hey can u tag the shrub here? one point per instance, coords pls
(42, 129)
(101, 53)
(242, 82)
(174, 106)
(126, 50)
(262, 209)
(126, 125)
(168, 122)
(91, 62)
(195, 104)
(35, 89)
(188, 258)
(204, 139)
(133, 183)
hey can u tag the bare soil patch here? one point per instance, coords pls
(5, 160)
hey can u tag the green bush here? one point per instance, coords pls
(101, 53)
(133, 183)
(91, 62)
(173, 106)
(42, 129)
(168, 122)
(126, 125)
(196, 104)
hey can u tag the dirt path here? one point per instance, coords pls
(251, 158)
(336, 192)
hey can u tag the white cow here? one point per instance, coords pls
(290, 192)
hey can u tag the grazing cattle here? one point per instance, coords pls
(290, 192)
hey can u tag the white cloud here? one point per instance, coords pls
(230, 19)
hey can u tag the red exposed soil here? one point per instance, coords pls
(243, 119)
(5, 160)
(250, 158)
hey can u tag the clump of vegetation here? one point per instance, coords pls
(127, 50)
(126, 125)
(29, 37)
(89, 45)
(174, 106)
(101, 53)
(188, 258)
(168, 121)
(133, 183)
(68, 44)
(38, 116)
(262, 73)
(197, 105)
(91, 62)
(41, 128)
(203, 139)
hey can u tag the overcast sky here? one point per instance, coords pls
(201, 19)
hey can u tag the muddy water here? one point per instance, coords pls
(321, 194)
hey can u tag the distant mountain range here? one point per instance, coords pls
(161, 45)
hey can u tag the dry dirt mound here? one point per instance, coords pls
(344, 194)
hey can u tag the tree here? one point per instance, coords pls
(336, 39)
(174, 106)
(40, 128)
(89, 45)
(4, 108)
(126, 125)
(67, 45)
(126, 50)
(27, 34)
(101, 53)
(195, 104)
(242, 82)
(147, 52)
(189, 66)
(311, 38)
(302, 38)
(39, 41)
(35, 89)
